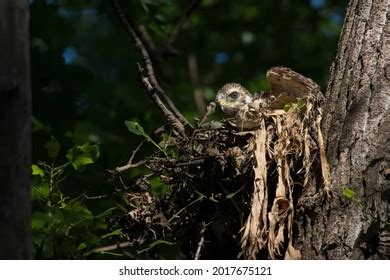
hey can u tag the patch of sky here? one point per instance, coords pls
(317, 4)
(336, 17)
(247, 38)
(221, 57)
(70, 55)
(74, 13)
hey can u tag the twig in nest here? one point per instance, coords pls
(130, 165)
(99, 196)
(201, 241)
(114, 247)
(135, 152)
(209, 111)
(173, 116)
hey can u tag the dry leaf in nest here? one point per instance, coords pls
(291, 147)
(277, 218)
(292, 253)
(254, 231)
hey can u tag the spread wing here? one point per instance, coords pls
(287, 86)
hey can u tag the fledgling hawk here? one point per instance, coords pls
(287, 86)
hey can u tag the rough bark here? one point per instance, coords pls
(15, 119)
(356, 128)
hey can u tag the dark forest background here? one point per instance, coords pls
(85, 86)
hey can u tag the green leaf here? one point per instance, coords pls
(105, 213)
(158, 187)
(137, 129)
(40, 221)
(41, 191)
(83, 155)
(144, 6)
(287, 106)
(76, 213)
(300, 103)
(113, 233)
(349, 193)
(155, 243)
(39, 126)
(52, 147)
(36, 170)
(165, 140)
(82, 246)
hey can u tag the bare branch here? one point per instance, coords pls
(147, 84)
(150, 83)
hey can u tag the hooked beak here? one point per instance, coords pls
(219, 100)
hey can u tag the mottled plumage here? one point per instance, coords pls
(233, 97)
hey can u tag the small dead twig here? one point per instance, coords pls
(128, 166)
(130, 163)
(191, 162)
(201, 240)
(135, 151)
(168, 163)
(99, 196)
(114, 247)
(210, 109)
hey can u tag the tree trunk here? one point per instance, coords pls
(15, 119)
(356, 128)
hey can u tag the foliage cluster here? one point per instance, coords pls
(64, 227)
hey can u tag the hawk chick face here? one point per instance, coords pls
(232, 97)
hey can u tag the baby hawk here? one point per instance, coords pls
(233, 97)
(286, 86)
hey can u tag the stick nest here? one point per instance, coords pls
(230, 188)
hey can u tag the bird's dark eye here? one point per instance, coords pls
(234, 95)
